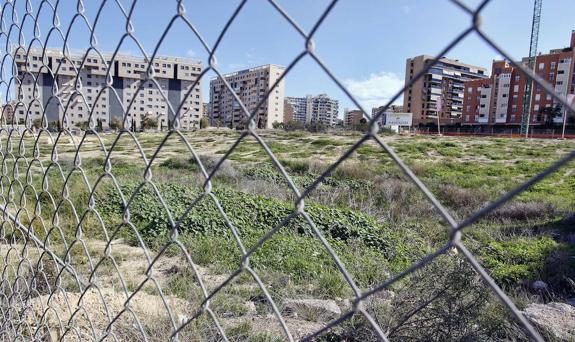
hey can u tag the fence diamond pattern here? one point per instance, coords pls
(32, 236)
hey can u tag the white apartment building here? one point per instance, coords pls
(315, 109)
(48, 84)
(251, 86)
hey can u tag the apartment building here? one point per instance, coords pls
(298, 107)
(314, 109)
(251, 86)
(48, 84)
(499, 99)
(445, 80)
(323, 109)
(352, 117)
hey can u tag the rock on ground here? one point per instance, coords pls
(557, 319)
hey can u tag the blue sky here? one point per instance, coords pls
(364, 42)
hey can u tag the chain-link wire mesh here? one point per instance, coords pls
(38, 249)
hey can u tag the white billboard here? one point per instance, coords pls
(398, 119)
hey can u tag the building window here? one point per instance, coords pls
(541, 66)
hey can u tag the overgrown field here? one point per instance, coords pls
(377, 222)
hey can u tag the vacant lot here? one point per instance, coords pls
(376, 221)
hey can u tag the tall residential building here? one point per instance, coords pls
(175, 77)
(314, 109)
(298, 107)
(323, 110)
(251, 86)
(499, 99)
(445, 79)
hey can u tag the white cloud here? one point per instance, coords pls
(376, 90)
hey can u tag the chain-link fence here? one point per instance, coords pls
(47, 295)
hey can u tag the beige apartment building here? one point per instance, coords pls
(445, 80)
(251, 86)
(48, 84)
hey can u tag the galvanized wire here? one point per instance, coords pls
(19, 226)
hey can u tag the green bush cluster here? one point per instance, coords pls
(518, 259)
(252, 216)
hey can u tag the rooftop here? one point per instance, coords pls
(108, 55)
(265, 66)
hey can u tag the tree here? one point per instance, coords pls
(37, 123)
(84, 125)
(54, 125)
(204, 123)
(149, 122)
(293, 125)
(116, 123)
(550, 114)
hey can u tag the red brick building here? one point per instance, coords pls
(499, 99)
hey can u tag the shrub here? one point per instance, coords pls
(54, 125)
(149, 122)
(84, 125)
(204, 123)
(518, 259)
(523, 211)
(460, 199)
(252, 215)
(444, 301)
(116, 123)
(37, 123)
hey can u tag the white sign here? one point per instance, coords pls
(398, 119)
